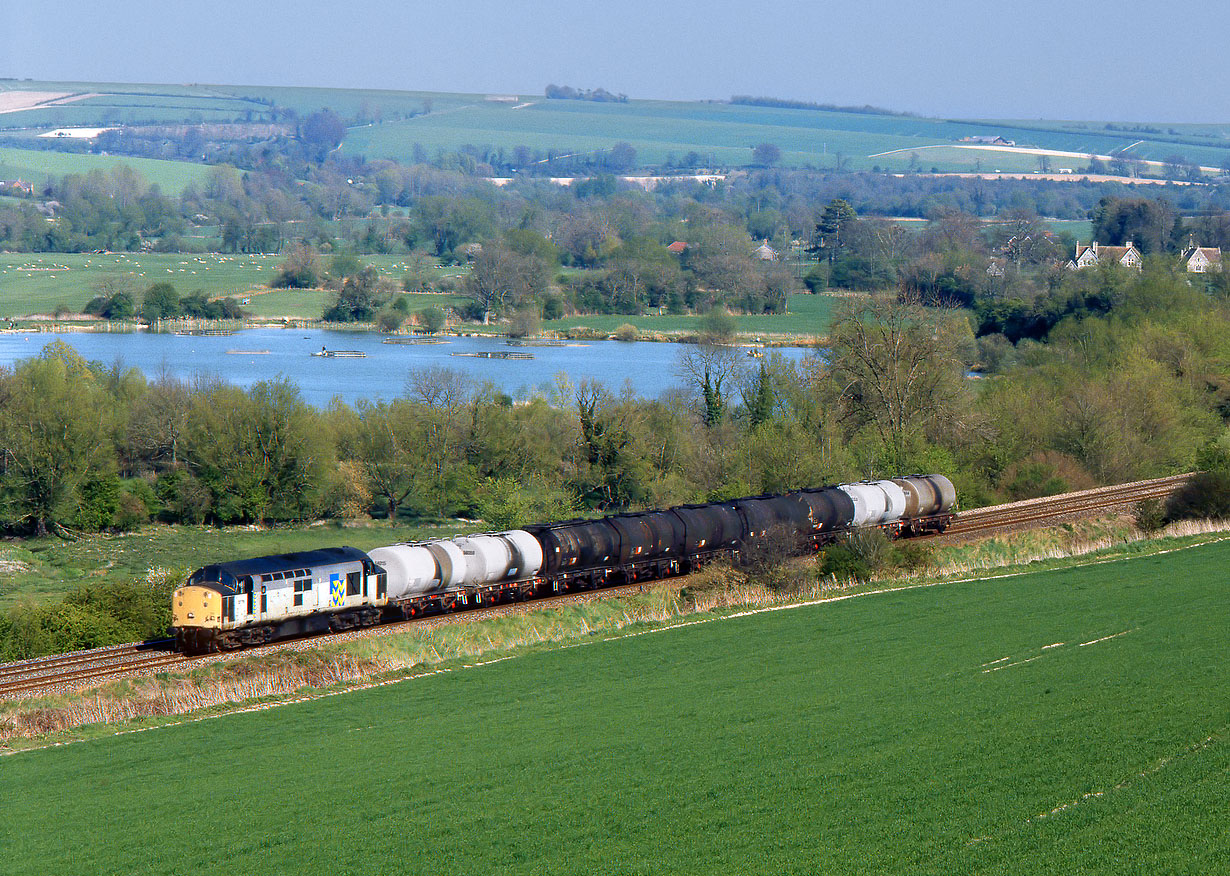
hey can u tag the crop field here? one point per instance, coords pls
(39, 282)
(36, 165)
(40, 569)
(1066, 721)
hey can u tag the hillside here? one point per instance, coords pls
(1062, 721)
(388, 124)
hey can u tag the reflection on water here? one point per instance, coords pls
(258, 354)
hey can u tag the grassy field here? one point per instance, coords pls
(1068, 721)
(38, 282)
(36, 165)
(51, 566)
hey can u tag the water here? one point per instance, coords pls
(649, 368)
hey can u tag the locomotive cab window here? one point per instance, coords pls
(303, 585)
(353, 583)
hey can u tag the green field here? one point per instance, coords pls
(1071, 721)
(53, 566)
(36, 165)
(39, 282)
(722, 134)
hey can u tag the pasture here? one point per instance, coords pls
(1069, 721)
(39, 282)
(37, 165)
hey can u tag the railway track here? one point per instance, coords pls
(1033, 512)
(70, 671)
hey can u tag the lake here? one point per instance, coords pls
(649, 368)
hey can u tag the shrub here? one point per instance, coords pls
(391, 320)
(1207, 494)
(1150, 515)
(857, 557)
(432, 318)
(627, 332)
(525, 322)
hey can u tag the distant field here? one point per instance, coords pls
(38, 282)
(722, 134)
(34, 165)
(1071, 721)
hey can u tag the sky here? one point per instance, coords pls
(1129, 61)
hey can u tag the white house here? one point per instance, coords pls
(1087, 256)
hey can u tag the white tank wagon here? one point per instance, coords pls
(458, 571)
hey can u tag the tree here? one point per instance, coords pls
(55, 437)
(709, 368)
(766, 155)
(1149, 224)
(358, 300)
(501, 277)
(832, 229)
(323, 130)
(621, 158)
(432, 319)
(301, 269)
(896, 367)
(161, 301)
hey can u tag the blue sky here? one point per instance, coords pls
(1041, 59)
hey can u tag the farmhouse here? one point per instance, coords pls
(677, 247)
(1201, 259)
(1088, 256)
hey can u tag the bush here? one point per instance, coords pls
(1207, 494)
(627, 332)
(432, 318)
(1150, 515)
(858, 556)
(391, 320)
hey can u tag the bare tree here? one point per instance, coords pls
(896, 367)
(710, 369)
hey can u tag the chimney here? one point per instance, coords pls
(1128, 244)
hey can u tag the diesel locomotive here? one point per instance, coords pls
(247, 602)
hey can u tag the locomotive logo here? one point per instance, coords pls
(337, 591)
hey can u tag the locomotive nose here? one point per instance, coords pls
(196, 607)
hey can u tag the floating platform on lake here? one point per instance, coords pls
(415, 341)
(247, 352)
(497, 354)
(341, 354)
(205, 333)
(534, 343)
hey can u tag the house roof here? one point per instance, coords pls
(677, 247)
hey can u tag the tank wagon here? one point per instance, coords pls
(229, 605)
